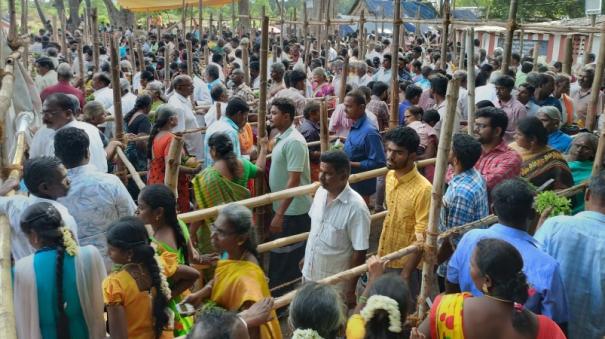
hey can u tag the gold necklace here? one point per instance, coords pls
(498, 299)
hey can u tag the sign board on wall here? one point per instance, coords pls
(593, 7)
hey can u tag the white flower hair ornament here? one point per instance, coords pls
(381, 302)
(306, 334)
(164, 282)
(71, 247)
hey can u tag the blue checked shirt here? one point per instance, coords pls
(464, 201)
(578, 244)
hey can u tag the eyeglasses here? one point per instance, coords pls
(480, 126)
(215, 229)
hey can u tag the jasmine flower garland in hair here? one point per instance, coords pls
(380, 302)
(71, 247)
(164, 282)
(306, 334)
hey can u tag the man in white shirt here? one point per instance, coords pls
(201, 93)
(488, 91)
(183, 88)
(46, 180)
(128, 99)
(95, 199)
(57, 113)
(47, 76)
(384, 73)
(230, 123)
(340, 225)
(220, 98)
(102, 93)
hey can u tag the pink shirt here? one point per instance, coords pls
(63, 87)
(515, 111)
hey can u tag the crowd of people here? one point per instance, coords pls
(96, 255)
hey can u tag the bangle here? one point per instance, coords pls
(362, 300)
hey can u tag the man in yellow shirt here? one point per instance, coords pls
(408, 197)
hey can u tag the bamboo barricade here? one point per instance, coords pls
(95, 39)
(568, 60)
(81, 67)
(245, 60)
(510, 30)
(8, 327)
(145, 137)
(470, 79)
(133, 172)
(446, 25)
(269, 198)
(394, 114)
(24, 120)
(593, 109)
(171, 178)
(323, 127)
(7, 88)
(348, 274)
(343, 81)
(445, 141)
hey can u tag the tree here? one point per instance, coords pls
(537, 10)
(120, 17)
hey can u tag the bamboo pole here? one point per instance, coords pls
(347, 275)
(64, 48)
(8, 328)
(269, 198)
(133, 172)
(362, 35)
(343, 80)
(510, 30)
(23, 122)
(598, 161)
(210, 30)
(327, 37)
(470, 79)
(568, 61)
(323, 127)
(245, 61)
(305, 35)
(140, 55)
(535, 55)
(281, 27)
(588, 45)
(394, 114)
(521, 42)
(593, 110)
(131, 55)
(24, 32)
(12, 29)
(95, 39)
(445, 140)
(166, 67)
(171, 178)
(183, 18)
(81, 66)
(7, 87)
(220, 24)
(446, 25)
(233, 15)
(189, 59)
(117, 95)
(462, 51)
(55, 29)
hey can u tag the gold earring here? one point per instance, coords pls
(484, 288)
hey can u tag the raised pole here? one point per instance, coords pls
(470, 78)
(233, 15)
(568, 61)
(81, 65)
(343, 80)
(131, 55)
(23, 31)
(324, 137)
(394, 116)
(430, 254)
(140, 55)
(117, 95)
(521, 42)
(511, 25)
(190, 59)
(12, 29)
(444, 35)
(462, 53)
(64, 49)
(166, 67)
(588, 45)
(305, 34)
(327, 38)
(7, 313)
(281, 25)
(55, 29)
(535, 55)
(200, 17)
(183, 19)
(362, 35)
(220, 24)
(171, 178)
(593, 109)
(244, 43)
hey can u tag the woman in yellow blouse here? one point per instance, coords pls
(238, 280)
(383, 307)
(137, 294)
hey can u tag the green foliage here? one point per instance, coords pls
(537, 10)
(560, 205)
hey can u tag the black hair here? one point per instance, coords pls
(526, 67)
(63, 101)
(143, 101)
(532, 127)
(416, 111)
(358, 96)
(39, 170)
(71, 146)
(223, 146)
(129, 233)
(311, 106)
(505, 81)
(405, 137)
(513, 200)
(339, 161)
(389, 285)
(466, 149)
(147, 75)
(46, 62)
(431, 115)
(159, 195)
(296, 76)
(104, 78)
(213, 71)
(379, 88)
(317, 307)
(597, 185)
(217, 57)
(217, 92)
(484, 103)
(285, 106)
(412, 91)
(163, 115)
(45, 220)
(439, 84)
(497, 117)
(503, 264)
(214, 323)
(236, 105)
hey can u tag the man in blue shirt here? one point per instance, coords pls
(512, 203)
(364, 144)
(578, 244)
(412, 97)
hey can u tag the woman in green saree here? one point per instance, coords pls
(581, 160)
(223, 182)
